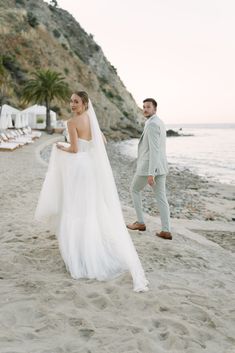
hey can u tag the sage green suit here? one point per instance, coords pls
(152, 160)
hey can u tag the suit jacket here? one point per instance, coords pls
(151, 158)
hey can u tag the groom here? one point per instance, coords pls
(151, 169)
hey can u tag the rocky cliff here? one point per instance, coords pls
(36, 35)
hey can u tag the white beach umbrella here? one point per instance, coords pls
(9, 120)
(7, 109)
(18, 122)
(23, 120)
(26, 117)
(3, 121)
(38, 111)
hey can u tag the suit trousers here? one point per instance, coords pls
(159, 189)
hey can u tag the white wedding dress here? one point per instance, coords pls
(86, 215)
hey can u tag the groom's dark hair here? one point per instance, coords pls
(152, 101)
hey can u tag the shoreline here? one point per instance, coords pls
(190, 196)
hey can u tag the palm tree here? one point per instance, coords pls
(45, 86)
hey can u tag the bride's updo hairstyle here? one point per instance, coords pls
(84, 97)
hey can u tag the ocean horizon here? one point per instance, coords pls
(201, 126)
(208, 150)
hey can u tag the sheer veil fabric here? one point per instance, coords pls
(79, 199)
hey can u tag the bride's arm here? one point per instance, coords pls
(73, 137)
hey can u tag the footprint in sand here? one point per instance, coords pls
(74, 321)
(84, 328)
(165, 324)
(100, 303)
(110, 290)
(98, 300)
(86, 333)
(17, 235)
(197, 315)
(171, 333)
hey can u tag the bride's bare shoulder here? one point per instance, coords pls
(85, 116)
(69, 120)
(84, 119)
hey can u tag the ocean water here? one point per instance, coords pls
(210, 152)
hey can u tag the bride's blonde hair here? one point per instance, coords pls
(84, 97)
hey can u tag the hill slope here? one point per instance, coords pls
(36, 35)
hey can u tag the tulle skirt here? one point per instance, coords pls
(89, 242)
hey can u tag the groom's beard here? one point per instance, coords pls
(148, 115)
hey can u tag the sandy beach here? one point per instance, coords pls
(190, 306)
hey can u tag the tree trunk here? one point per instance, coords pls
(49, 129)
(1, 104)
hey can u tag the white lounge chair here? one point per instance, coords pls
(7, 146)
(20, 137)
(34, 134)
(10, 137)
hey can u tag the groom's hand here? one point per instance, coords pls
(151, 180)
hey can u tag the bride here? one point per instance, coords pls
(79, 201)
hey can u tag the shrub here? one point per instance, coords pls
(17, 50)
(54, 3)
(66, 71)
(26, 44)
(119, 98)
(64, 46)
(103, 80)
(96, 47)
(126, 114)
(9, 62)
(20, 2)
(56, 33)
(109, 94)
(40, 120)
(78, 54)
(32, 20)
(114, 69)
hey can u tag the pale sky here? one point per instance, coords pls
(180, 52)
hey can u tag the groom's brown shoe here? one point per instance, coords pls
(137, 226)
(164, 235)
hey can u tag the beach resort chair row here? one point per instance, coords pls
(12, 139)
